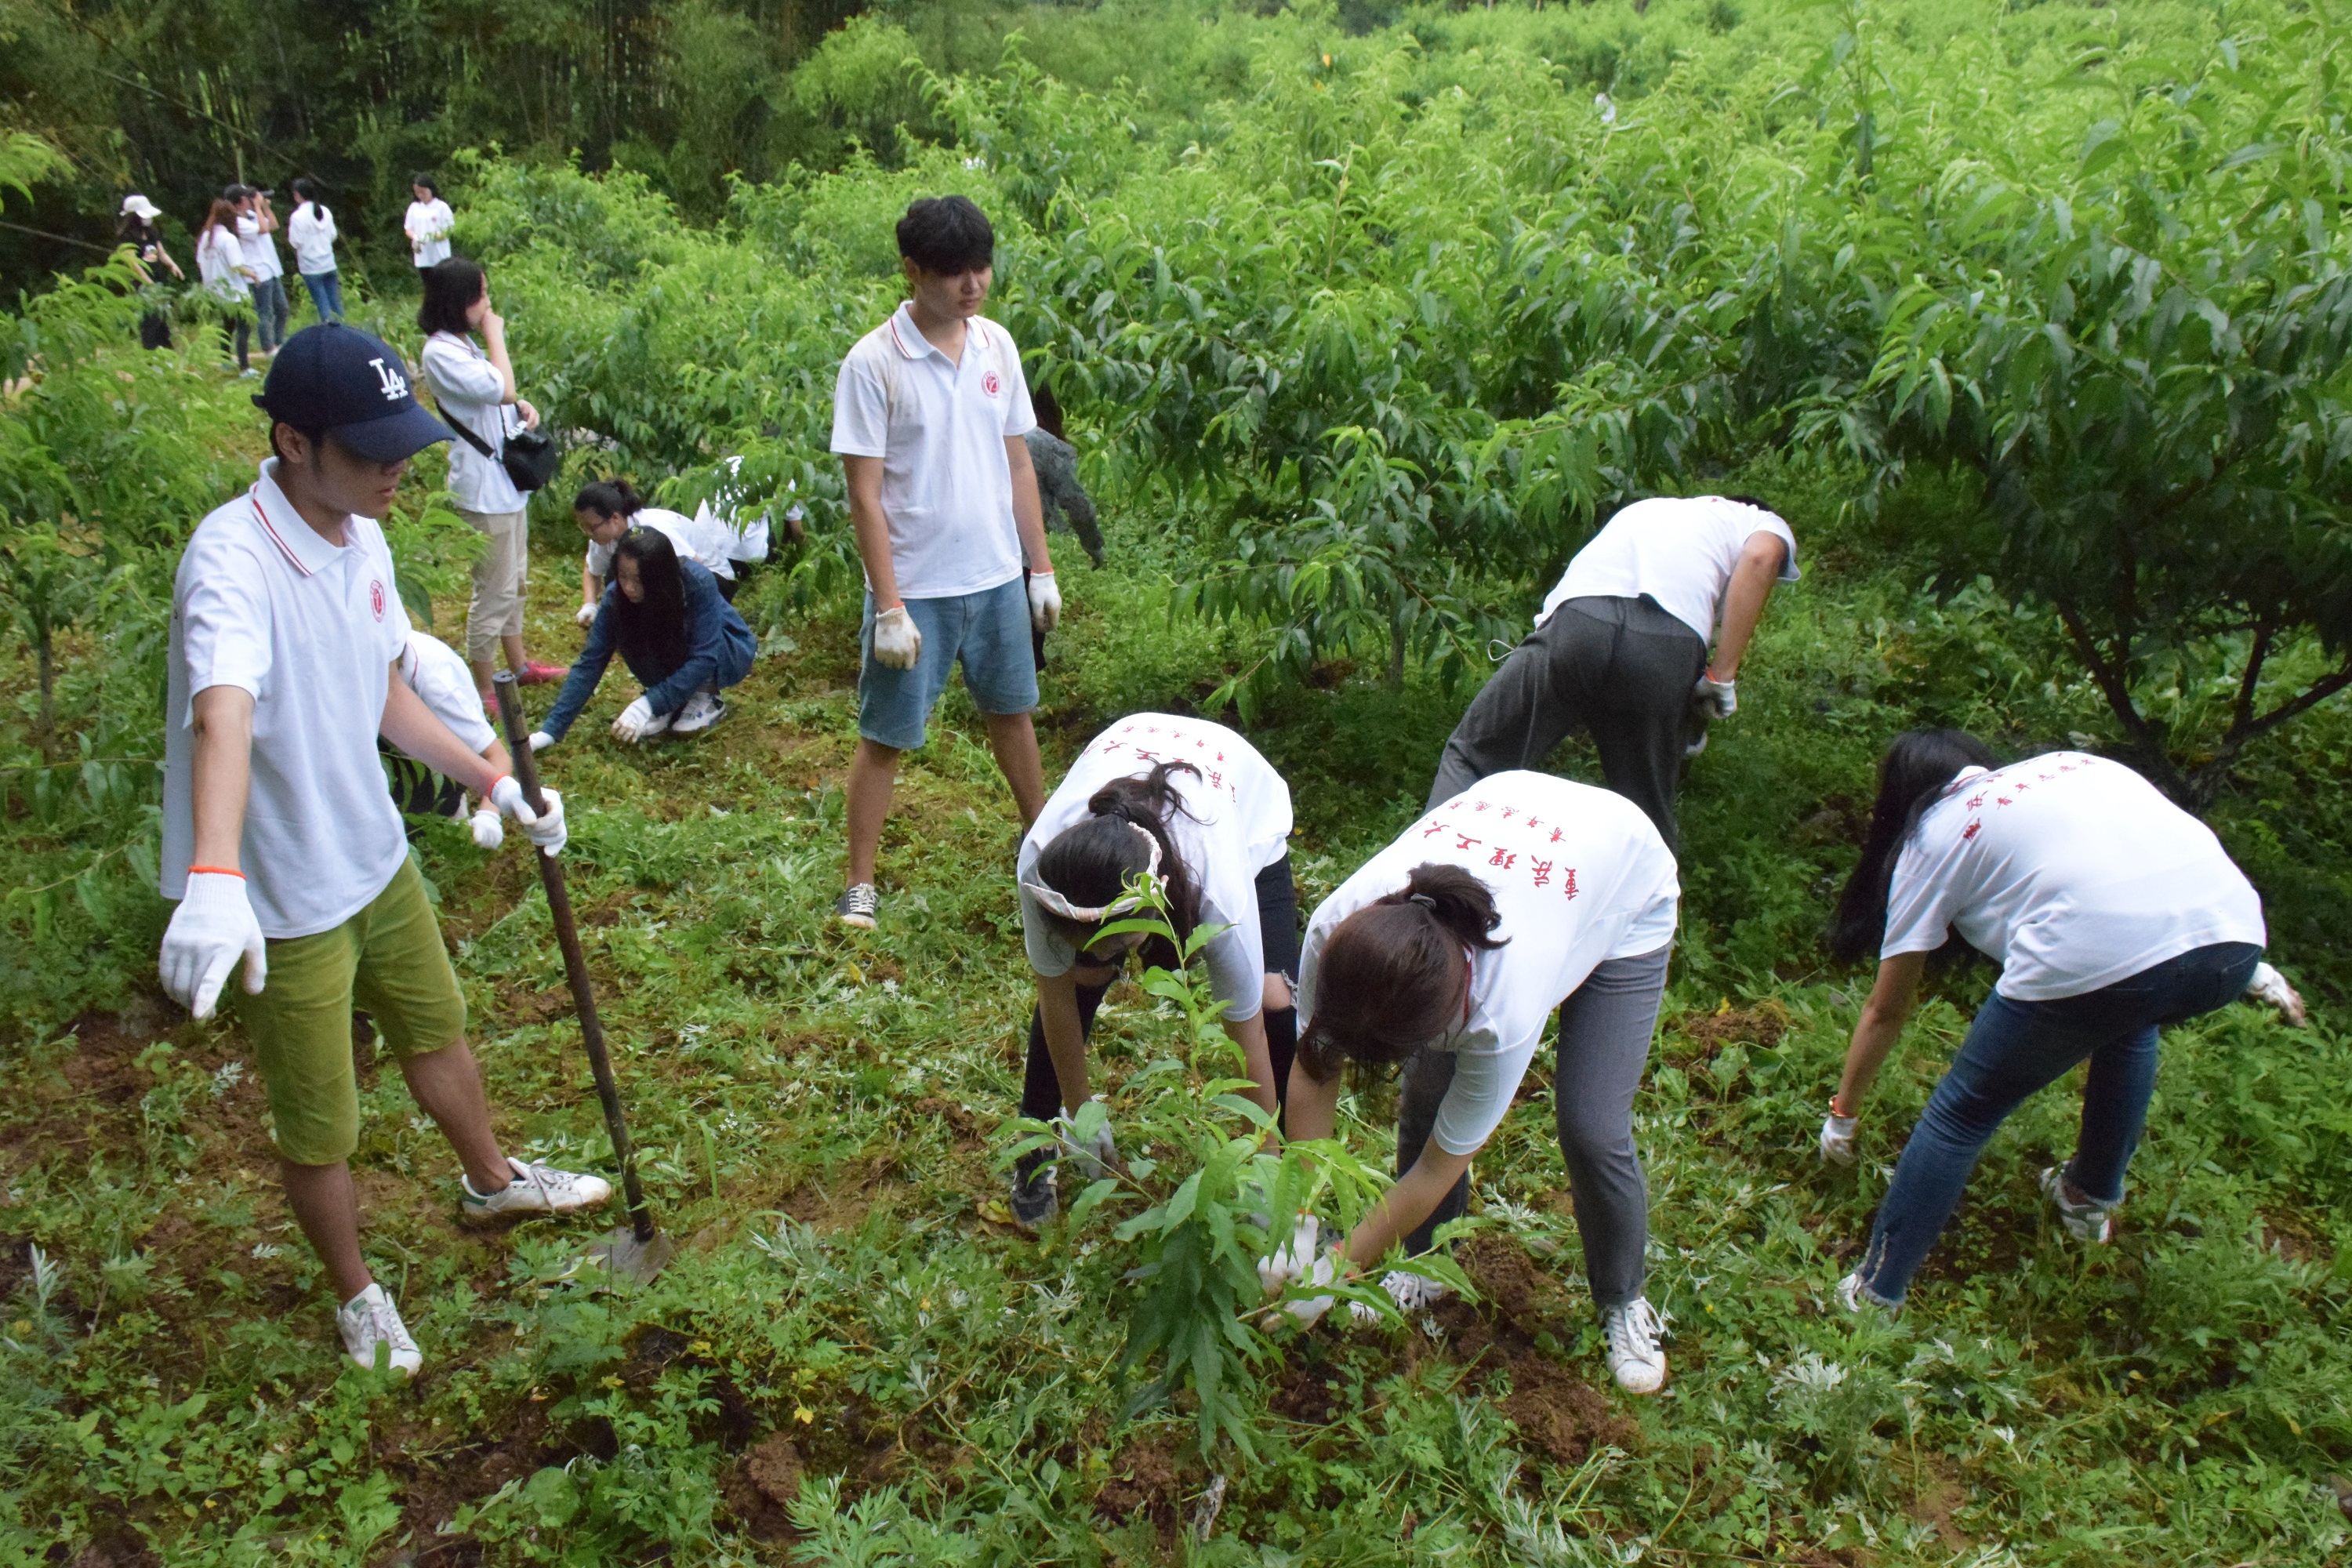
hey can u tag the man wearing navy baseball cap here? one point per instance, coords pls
(281, 842)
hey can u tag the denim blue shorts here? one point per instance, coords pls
(988, 631)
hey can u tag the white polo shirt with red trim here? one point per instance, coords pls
(940, 427)
(310, 629)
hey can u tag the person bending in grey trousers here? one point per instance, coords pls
(1620, 648)
(1447, 953)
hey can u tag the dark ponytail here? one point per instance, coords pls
(1917, 768)
(1090, 862)
(308, 193)
(1391, 977)
(609, 498)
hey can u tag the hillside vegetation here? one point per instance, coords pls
(2032, 321)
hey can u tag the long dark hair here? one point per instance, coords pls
(451, 286)
(608, 498)
(1392, 978)
(1089, 862)
(222, 215)
(307, 195)
(137, 231)
(1918, 767)
(652, 629)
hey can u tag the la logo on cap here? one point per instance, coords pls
(394, 384)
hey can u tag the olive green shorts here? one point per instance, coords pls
(388, 959)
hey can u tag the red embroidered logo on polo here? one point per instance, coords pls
(991, 383)
(375, 597)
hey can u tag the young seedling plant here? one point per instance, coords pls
(1222, 1192)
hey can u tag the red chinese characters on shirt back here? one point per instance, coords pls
(1514, 845)
(2004, 787)
(1152, 743)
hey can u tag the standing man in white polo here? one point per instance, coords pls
(281, 842)
(928, 416)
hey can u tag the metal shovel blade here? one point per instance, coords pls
(624, 1254)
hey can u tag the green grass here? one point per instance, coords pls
(819, 1110)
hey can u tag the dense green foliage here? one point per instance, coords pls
(2030, 320)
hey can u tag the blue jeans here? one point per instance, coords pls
(326, 294)
(2015, 1048)
(987, 631)
(270, 307)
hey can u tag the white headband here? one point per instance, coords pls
(1125, 903)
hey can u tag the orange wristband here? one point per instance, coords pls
(215, 871)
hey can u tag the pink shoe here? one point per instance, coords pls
(537, 674)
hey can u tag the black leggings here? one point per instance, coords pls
(1278, 914)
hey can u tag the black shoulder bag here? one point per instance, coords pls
(529, 456)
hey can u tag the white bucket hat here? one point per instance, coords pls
(147, 211)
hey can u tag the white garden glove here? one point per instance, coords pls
(1095, 1158)
(488, 831)
(545, 829)
(1719, 698)
(1044, 602)
(1277, 1268)
(2269, 986)
(1838, 1135)
(635, 723)
(585, 615)
(1309, 1310)
(540, 739)
(898, 641)
(212, 929)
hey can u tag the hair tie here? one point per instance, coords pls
(1126, 903)
(1424, 900)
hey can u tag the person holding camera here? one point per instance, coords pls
(474, 382)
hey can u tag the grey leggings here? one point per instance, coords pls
(1605, 1027)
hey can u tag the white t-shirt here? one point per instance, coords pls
(262, 603)
(1239, 825)
(469, 388)
(428, 225)
(1679, 551)
(311, 232)
(260, 249)
(438, 674)
(1579, 877)
(939, 427)
(220, 262)
(2070, 872)
(698, 538)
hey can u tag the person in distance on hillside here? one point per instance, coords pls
(2112, 912)
(678, 636)
(1446, 951)
(311, 232)
(607, 510)
(148, 254)
(927, 416)
(255, 225)
(1195, 806)
(281, 846)
(1621, 647)
(220, 267)
(428, 222)
(475, 385)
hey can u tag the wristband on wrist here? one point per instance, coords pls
(1837, 1107)
(215, 871)
(1041, 572)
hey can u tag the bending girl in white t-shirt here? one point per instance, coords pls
(2112, 913)
(1194, 804)
(1447, 953)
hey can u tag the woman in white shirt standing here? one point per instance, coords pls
(2112, 913)
(428, 223)
(1195, 806)
(311, 232)
(475, 385)
(221, 269)
(1448, 952)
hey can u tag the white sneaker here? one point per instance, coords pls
(371, 1326)
(701, 712)
(2085, 1221)
(535, 1189)
(1633, 1332)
